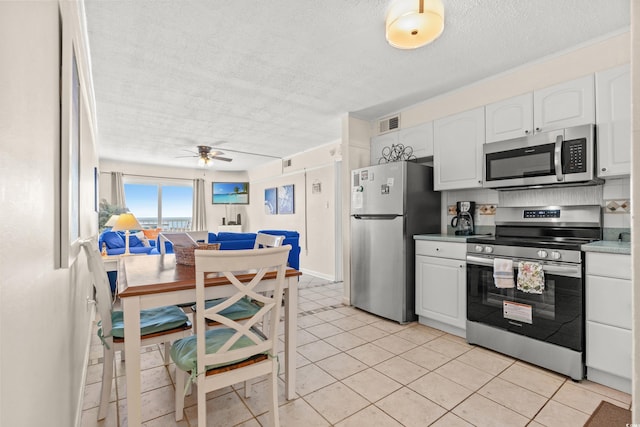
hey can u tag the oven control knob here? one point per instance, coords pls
(542, 254)
(479, 248)
(488, 249)
(555, 255)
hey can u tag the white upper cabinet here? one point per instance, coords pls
(419, 138)
(379, 142)
(511, 118)
(613, 117)
(556, 107)
(457, 146)
(564, 105)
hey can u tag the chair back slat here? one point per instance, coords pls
(100, 283)
(265, 240)
(232, 264)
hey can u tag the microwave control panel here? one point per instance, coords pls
(574, 156)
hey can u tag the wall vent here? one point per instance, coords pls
(286, 163)
(388, 124)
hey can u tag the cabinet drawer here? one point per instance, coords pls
(441, 249)
(609, 301)
(609, 349)
(609, 265)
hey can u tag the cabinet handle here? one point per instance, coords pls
(537, 129)
(461, 265)
(526, 132)
(604, 169)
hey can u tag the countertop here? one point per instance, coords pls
(608, 246)
(442, 237)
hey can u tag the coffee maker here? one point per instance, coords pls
(462, 222)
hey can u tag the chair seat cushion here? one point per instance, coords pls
(151, 321)
(243, 309)
(185, 355)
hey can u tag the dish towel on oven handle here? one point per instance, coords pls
(503, 273)
(530, 277)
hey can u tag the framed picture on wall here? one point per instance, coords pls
(68, 200)
(271, 201)
(285, 199)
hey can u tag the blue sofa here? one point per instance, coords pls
(234, 241)
(115, 243)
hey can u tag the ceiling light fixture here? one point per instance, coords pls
(204, 160)
(414, 23)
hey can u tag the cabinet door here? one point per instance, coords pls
(609, 301)
(511, 118)
(613, 116)
(609, 349)
(441, 290)
(379, 142)
(457, 156)
(419, 138)
(564, 105)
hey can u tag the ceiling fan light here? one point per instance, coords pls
(414, 23)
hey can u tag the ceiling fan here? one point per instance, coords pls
(206, 156)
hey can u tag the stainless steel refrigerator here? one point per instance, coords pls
(389, 204)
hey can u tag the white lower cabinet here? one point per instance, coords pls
(608, 316)
(441, 285)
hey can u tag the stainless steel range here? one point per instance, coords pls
(525, 286)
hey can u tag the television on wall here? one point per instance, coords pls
(230, 193)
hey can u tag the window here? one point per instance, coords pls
(158, 204)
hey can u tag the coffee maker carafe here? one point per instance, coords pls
(462, 222)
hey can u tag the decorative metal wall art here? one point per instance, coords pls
(396, 153)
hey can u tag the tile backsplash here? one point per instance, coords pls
(614, 196)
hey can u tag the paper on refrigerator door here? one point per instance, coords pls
(356, 198)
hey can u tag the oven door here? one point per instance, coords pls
(555, 316)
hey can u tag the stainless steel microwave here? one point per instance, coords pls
(561, 157)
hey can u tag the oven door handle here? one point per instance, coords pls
(561, 270)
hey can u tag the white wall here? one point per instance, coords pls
(314, 216)
(44, 315)
(635, 209)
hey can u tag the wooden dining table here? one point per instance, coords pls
(156, 280)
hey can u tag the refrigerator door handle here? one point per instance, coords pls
(365, 217)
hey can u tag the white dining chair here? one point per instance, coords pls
(157, 325)
(245, 308)
(236, 351)
(264, 240)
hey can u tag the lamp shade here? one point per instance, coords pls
(414, 23)
(127, 221)
(112, 221)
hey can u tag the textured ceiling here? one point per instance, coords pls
(276, 77)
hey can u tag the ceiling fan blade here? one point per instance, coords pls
(193, 155)
(224, 159)
(251, 154)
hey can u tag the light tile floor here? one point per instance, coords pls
(356, 369)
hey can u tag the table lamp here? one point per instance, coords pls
(112, 221)
(126, 221)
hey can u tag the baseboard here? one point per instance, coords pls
(318, 274)
(610, 380)
(85, 368)
(454, 330)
